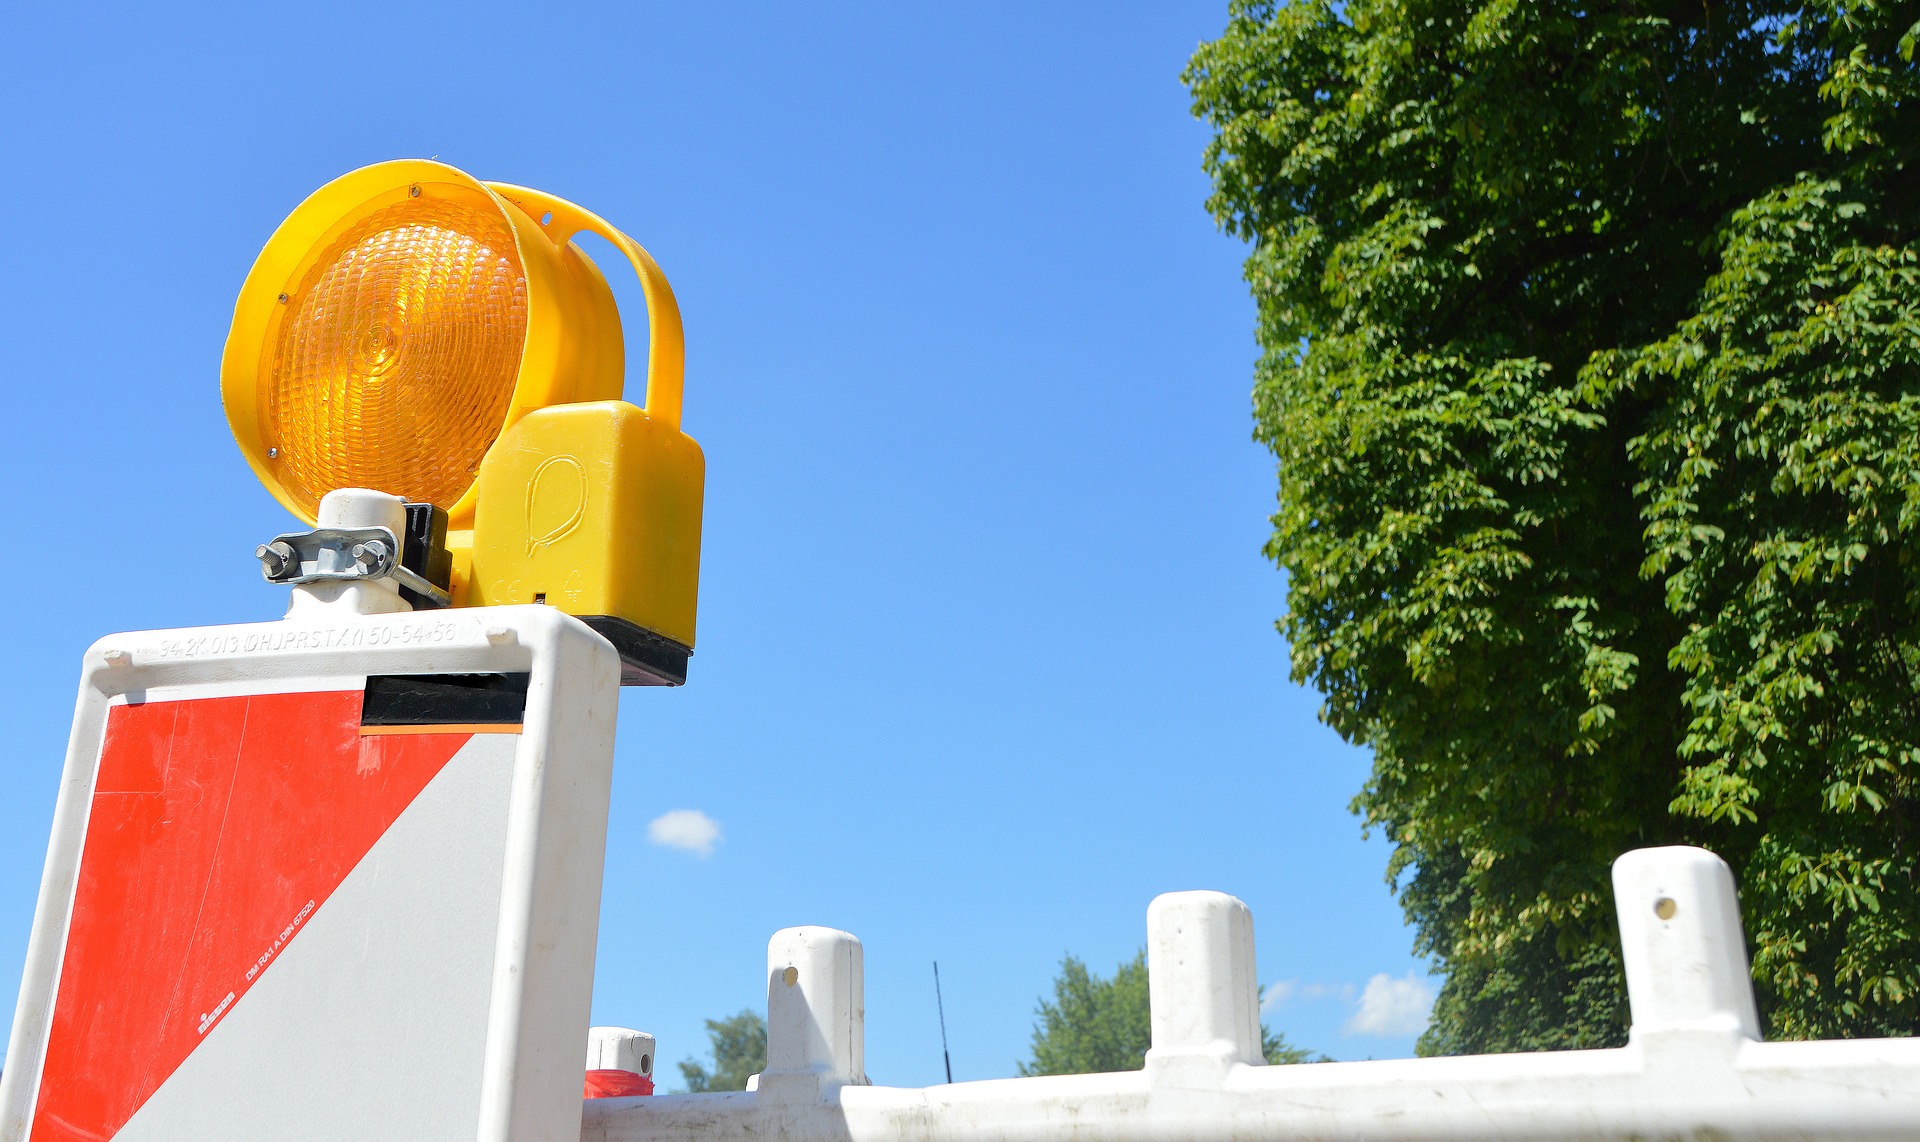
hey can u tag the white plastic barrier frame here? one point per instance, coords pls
(439, 989)
(1693, 1067)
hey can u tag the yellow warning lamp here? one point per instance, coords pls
(416, 331)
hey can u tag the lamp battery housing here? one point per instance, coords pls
(595, 508)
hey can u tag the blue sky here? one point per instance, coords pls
(986, 651)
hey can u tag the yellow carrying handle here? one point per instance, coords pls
(560, 220)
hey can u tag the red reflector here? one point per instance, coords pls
(617, 1084)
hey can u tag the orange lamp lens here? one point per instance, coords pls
(397, 353)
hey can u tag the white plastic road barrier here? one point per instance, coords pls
(1693, 1067)
(816, 1014)
(1680, 936)
(1202, 985)
(331, 877)
(620, 1049)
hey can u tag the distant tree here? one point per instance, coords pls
(739, 1053)
(1592, 368)
(1096, 1025)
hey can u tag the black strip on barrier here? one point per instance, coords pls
(444, 699)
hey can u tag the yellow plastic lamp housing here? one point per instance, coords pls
(595, 508)
(395, 324)
(415, 331)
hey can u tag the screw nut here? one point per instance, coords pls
(370, 555)
(275, 557)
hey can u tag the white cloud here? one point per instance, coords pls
(1278, 995)
(688, 829)
(1392, 1006)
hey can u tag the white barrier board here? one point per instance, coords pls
(322, 879)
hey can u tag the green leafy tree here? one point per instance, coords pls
(1095, 1025)
(1592, 368)
(739, 1046)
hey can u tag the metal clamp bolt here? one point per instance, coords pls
(341, 553)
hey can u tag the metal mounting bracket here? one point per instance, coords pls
(342, 553)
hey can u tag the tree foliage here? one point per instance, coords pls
(739, 1046)
(1096, 1025)
(1590, 364)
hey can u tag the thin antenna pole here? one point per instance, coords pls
(942, 1004)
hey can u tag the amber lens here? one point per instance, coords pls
(397, 354)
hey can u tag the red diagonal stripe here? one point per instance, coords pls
(218, 826)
